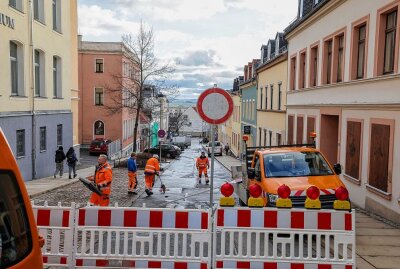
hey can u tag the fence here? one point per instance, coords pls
(181, 238)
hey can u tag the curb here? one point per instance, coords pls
(52, 189)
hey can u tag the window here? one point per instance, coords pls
(39, 73)
(38, 10)
(14, 68)
(57, 15)
(380, 155)
(353, 149)
(99, 65)
(300, 130)
(279, 96)
(290, 129)
(293, 71)
(17, 4)
(43, 139)
(314, 66)
(361, 51)
(20, 143)
(59, 135)
(16, 237)
(259, 135)
(56, 77)
(266, 97)
(390, 42)
(272, 96)
(270, 138)
(278, 139)
(302, 77)
(340, 58)
(265, 137)
(328, 63)
(261, 97)
(99, 128)
(310, 129)
(99, 96)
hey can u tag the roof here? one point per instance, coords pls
(195, 109)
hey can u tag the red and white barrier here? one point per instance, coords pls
(143, 218)
(80, 263)
(285, 218)
(285, 238)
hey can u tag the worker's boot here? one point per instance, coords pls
(207, 181)
(148, 192)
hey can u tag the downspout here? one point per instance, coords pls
(32, 88)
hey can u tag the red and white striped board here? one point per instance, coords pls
(54, 260)
(91, 263)
(285, 218)
(53, 216)
(303, 192)
(143, 218)
(278, 265)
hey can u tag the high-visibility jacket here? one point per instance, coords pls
(103, 178)
(202, 162)
(152, 166)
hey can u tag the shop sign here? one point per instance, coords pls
(6, 21)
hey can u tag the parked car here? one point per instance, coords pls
(218, 148)
(99, 146)
(169, 151)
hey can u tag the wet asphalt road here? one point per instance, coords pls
(179, 176)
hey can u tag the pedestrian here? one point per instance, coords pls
(103, 178)
(71, 161)
(202, 164)
(227, 149)
(132, 169)
(59, 159)
(150, 171)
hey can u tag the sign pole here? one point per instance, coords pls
(212, 191)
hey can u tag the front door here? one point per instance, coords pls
(329, 140)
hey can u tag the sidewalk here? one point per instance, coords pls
(377, 242)
(43, 185)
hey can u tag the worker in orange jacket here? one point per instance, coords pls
(150, 171)
(103, 178)
(202, 164)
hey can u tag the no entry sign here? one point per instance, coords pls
(215, 106)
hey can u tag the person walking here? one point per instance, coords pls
(227, 149)
(103, 178)
(132, 169)
(59, 159)
(150, 171)
(202, 164)
(71, 161)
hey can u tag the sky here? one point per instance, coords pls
(206, 41)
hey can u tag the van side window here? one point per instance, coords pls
(257, 166)
(15, 233)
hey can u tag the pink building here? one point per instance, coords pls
(101, 67)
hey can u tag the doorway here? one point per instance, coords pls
(329, 140)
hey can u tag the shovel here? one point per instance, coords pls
(162, 187)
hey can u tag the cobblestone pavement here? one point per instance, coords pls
(78, 193)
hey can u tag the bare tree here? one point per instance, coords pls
(142, 76)
(176, 122)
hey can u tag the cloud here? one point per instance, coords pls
(198, 58)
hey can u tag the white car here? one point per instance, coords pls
(218, 148)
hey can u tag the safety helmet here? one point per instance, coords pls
(156, 156)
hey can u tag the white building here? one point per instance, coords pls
(344, 84)
(196, 126)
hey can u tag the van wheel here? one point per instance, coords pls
(168, 155)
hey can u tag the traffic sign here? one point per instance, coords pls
(215, 106)
(247, 129)
(161, 133)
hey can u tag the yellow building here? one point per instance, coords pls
(236, 126)
(38, 42)
(271, 93)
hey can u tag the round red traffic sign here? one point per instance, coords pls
(215, 106)
(161, 133)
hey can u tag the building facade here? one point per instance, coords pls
(37, 40)
(271, 100)
(195, 127)
(344, 84)
(248, 90)
(236, 136)
(103, 71)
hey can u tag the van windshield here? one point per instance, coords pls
(15, 233)
(295, 164)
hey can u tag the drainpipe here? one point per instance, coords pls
(32, 88)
